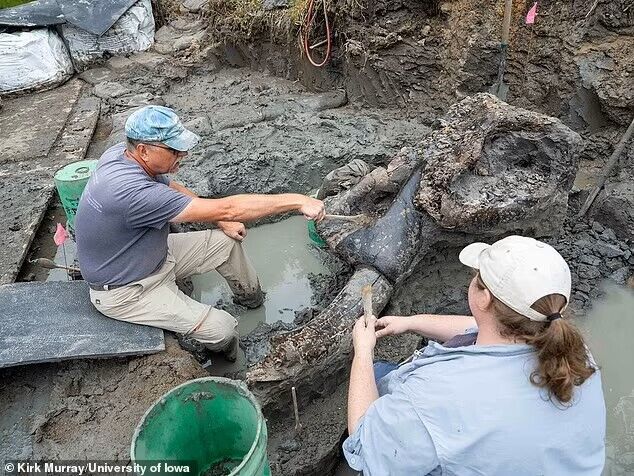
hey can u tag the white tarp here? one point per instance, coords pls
(35, 59)
(134, 31)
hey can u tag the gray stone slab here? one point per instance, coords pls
(53, 321)
(23, 202)
(26, 179)
(31, 124)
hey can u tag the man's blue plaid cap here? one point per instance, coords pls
(160, 124)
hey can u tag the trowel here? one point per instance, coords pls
(500, 88)
(50, 264)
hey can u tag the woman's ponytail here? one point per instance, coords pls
(562, 355)
(563, 359)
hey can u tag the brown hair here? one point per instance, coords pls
(563, 360)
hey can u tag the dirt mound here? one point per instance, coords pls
(86, 409)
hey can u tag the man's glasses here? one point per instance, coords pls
(173, 151)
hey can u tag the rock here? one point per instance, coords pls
(588, 272)
(614, 264)
(143, 99)
(200, 125)
(110, 90)
(596, 226)
(494, 168)
(615, 208)
(149, 60)
(590, 260)
(273, 4)
(607, 250)
(608, 235)
(175, 37)
(620, 276)
(604, 71)
(194, 6)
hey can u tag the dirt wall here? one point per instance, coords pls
(576, 62)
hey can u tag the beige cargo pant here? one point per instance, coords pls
(157, 301)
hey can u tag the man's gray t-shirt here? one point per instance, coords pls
(122, 221)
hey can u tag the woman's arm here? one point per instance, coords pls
(362, 391)
(434, 326)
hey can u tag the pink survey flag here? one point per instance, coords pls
(530, 16)
(61, 235)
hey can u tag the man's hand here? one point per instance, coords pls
(313, 209)
(233, 229)
(364, 338)
(392, 325)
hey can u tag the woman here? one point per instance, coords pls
(519, 396)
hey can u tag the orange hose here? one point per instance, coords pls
(308, 23)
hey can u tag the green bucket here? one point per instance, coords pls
(70, 182)
(314, 236)
(214, 425)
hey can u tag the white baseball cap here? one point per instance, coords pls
(519, 271)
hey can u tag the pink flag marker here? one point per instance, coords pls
(61, 235)
(532, 13)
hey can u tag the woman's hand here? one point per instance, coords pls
(233, 229)
(364, 338)
(392, 325)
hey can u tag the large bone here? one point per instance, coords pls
(392, 242)
(315, 358)
(490, 170)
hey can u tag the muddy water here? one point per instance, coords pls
(609, 328)
(283, 258)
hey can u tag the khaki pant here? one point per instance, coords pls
(157, 301)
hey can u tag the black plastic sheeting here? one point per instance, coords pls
(94, 16)
(54, 321)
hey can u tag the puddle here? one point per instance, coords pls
(609, 328)
(283, 257)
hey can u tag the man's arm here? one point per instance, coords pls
(233, 229)
(437, 327)
(248, 207)
(181, 188)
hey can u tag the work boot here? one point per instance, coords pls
(251, 301)
(231, 351)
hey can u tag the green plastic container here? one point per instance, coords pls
(213, 424)
(314, 236)
(70, 182)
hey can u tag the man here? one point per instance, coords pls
(127, 255)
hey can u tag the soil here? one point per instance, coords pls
(222, 468)
(396, 67)
(86, 409)
(596, 256)
(314, 450)
(43, 245)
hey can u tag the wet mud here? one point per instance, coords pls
(266, 133)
